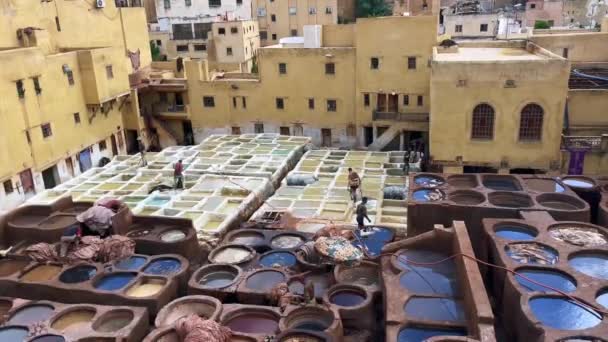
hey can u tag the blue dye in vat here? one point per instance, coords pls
(49, 338)
(31, 314)
(163, 266)
(592, 264)
(377, 238)
(157, 201)
(448, 267)
(564, 314)
(515, 233)
(115, 281)
(554, 279)
(435, 309)
(603, 299)
(429, 282)
(430, 181)
(78, 274)
(412, 334)
(131, 263)
(13, 334)
(501, 184)
(427, 195)
(347, 298)
(272, 259)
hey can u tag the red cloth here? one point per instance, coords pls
(193, 328)
(179, 168)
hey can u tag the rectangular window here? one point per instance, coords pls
(420, 100)
(221, 30)
(208, 101)
(236, 130)
(229, 51)
(406, 100)
(294, 33)
(284, 130)
(411, 63)
(311, 103)
(366, 100)
(328, 10)
(273, 18)
(109, 72)
(188, 3)
(76, 118)
(234, 30)
(312, 11)
(565, 53)
(280, 102)
(167, 4)
(37, 85)
(274, 36)
(57, 24)
(292, 10)
(20, 89)
(483, 27)
(46, 130)
(239, 2)
(8, 186)
(532, 6)
(282, 68)
(258, 128)
(182, 48)
(458, 29)
(234, 102)
(200, 47)
(374, 63)
(103, 145)
(70, 75)
(159, 42)
(263, 35)
(215, 3)
(332, 105)
(201, 30)
(330, 68)
(244, 100)
(261, 12)
(182, 31)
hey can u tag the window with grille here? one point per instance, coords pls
(182, 48)
(406, 100)
(70, 75)
(458, 29)
(234, 30)
(229, 51)
(215, 3)
(280, 103)
(8, 187)
(200, 47)
(284, 130)
(366, 100)
(483, 122)
(483, 27)
(46, 130)
(282, 68)
(411, 63)
(76, 118)
(258, 128)
(374, 63)
(311, 103)
(167, 4)
(182, 31)
(420, 100)
(263, 35)
(531, 123)
(188, 2)
(330, 68)
(37, 87)
(332, 105)
(20, 89)
(201, 30)
(208, 101)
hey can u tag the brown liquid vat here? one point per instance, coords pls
(466, 197)
(202, 306)
(463, 181)
(355, 305)
(313, 318)
(510, 200)
(560, 202)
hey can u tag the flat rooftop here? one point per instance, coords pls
(482, 54)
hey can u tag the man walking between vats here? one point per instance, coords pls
(362, 214)
(178, 177)
(354, 182)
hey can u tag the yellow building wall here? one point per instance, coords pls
(582, 47)
(544, 83)
(339, 35)
(587, 111)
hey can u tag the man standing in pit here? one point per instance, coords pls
(354, 182)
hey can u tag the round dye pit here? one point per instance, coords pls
(131, 263)
(602, 299)
(300, 336)
(563, 314)
(560, 202)
(428, 180)
(592, 264)
(41, 273)
(463, 181)
(435, 309)
(510, 200)
(114, 281)
(428, 195)
(374, 239)
(428, 282)
(138, 233)
(49, 338)
(201, 306)
(278, 259)
(578, 235)
(515, 232)
(248, 238)
(447, 267)
(412, 334)
(466, 197)
(10, 267)
(347, 298)
(254, 323)
(231, 254)
(286, 241)
(544, 185)
(359, 275)
(264, 280)
(13, 334)
(173, 235)
(73, 320)
(312, 319)
(31, 314)
(532, 253)
(581, 339)
(554, 279)
(217, 279)
(501, 183)
(113, 321)
(579, 182)
(146, 288)
(163, 266)
(78, 274)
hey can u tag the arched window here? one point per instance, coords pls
(531, 123)
(483, 122)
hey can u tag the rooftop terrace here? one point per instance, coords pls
(483, 54)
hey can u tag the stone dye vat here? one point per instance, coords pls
(149, 281)
(313, 319)
(216, 280)
(256, 285)
(164, 235)
(250, 320)
(425, 297)
(317, 189)
(355, 305)
(602, 214)
(263, 240)
(472, 197)
(587, 188)
(203, 306)
(576, 264)
(76, 322)
(226, 179)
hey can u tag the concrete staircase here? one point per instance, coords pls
(386, 137)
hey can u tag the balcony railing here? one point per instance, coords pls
(171, 111)
(593, 143)
(395, 116)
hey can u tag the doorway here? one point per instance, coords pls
(298, 130)
(325, 137)
(114, 145)
(27, 181)
(132, 143)
(188, 132)
(368, 135)
(393, 99)
(69, 164)
(50, 177)
(381, 103)
(84, 160)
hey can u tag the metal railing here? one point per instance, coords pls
(593, 143)
(396, 116)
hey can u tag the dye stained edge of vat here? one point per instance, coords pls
(553, 278)
(31, 313)
(515, 231)
(591, 263)
(563, 313)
